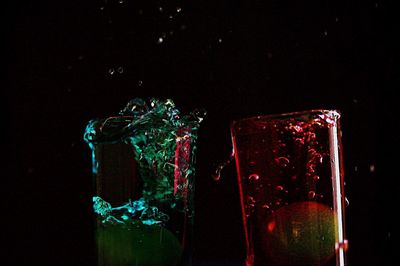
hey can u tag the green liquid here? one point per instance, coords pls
(137, 245)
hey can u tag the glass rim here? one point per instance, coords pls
(279, 116)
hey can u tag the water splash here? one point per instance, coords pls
(163, 142)
(149, 215)
(217, 174)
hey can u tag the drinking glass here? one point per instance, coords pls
(291, 184)
(144, 168)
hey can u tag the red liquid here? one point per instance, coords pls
(291, 189)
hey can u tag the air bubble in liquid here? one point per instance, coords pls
(254, 177)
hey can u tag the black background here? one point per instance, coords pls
(70, 61)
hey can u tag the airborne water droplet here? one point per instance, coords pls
(346, 201)
(217, 174)
(160, 40)
(372, 168)
(120, 70)
(111, 71)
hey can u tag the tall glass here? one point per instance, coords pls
(144, 167)
(290, 177)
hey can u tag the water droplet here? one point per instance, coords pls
(120, 70)
(254, 177)
(220, 40)
(102, 8)
(121, 1)
(160, 40)
(279, 188)
(140, 83)
(326, 33)
(311, 194)
(111, 71)
(316, 178)
(178, 9)
(372, 168)
(160, 9)
(217, 174)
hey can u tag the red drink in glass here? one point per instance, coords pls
(290, 179)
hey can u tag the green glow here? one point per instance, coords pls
(138, 244)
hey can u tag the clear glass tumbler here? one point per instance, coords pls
(290, 176)
(144, 167)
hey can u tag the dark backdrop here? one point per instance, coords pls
(70, 61)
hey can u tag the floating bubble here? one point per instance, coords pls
(282, 161)
(311, 194)
(250, 201)
(299, 141)
(253, 177)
